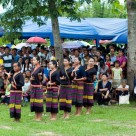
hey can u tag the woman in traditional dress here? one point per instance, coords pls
(36, 95)
(52, 90)
(66, 88)
(89, 85)
(17, 82)
(78, 85)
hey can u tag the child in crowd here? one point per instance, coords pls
(108, 61)
(6, 97)
(123, 89)
(116, 75)
(26, 88)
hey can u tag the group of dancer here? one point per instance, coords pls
(67, 86)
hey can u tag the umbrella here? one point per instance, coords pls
(71, 45)
(36, 40)
(20, 45)
(75, 44)
(83, 43)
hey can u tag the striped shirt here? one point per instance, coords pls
(7, 61)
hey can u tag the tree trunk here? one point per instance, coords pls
(56, 31)
(131, 67)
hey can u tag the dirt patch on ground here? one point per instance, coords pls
(98, 120)
(46, 134)
(125, 125)
(5, 127)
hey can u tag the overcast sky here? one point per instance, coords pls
(1, 9)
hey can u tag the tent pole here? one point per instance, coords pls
(97, 43)
(51, 40)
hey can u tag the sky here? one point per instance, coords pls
(1, 9)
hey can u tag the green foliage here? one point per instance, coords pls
(3, 41)
(109, 9)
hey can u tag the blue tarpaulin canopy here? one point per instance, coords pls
(122, 38)
(89, 28)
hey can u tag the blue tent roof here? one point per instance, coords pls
(108, 28)
(68, 29)
(89, 28)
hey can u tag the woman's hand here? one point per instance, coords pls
(49, 83)
(63, 78)
(105, 97)
(75, 79)
(73, 73)
(13, 85)
(32, 78)
(40, 76)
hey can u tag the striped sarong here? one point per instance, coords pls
(65, 97)
(77, 93)
(52, 100)
(15, 104)
(36, 100)
(88, 94)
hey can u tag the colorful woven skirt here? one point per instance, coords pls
(88, 94)
(77, 93)
(15, 104)
(36, 100)
(52, 100)
(65, 98)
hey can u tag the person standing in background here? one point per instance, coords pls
(7, 59)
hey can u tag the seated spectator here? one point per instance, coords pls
(6, 97)
(123, 89)
(103, 90)
(116, 75)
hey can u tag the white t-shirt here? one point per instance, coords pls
(117, 73)
(127, 87)
(41, 54)
(25, 87)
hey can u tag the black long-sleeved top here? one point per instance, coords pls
(90, 73)
(35, 73)
(18, 81)
(68, 76)
(80, 73)
(102, 86)
(54, 77)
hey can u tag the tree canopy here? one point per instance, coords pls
(104, 9)
(17, 11)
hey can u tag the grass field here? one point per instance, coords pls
(103, 121)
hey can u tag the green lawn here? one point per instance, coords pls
(104, 121)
